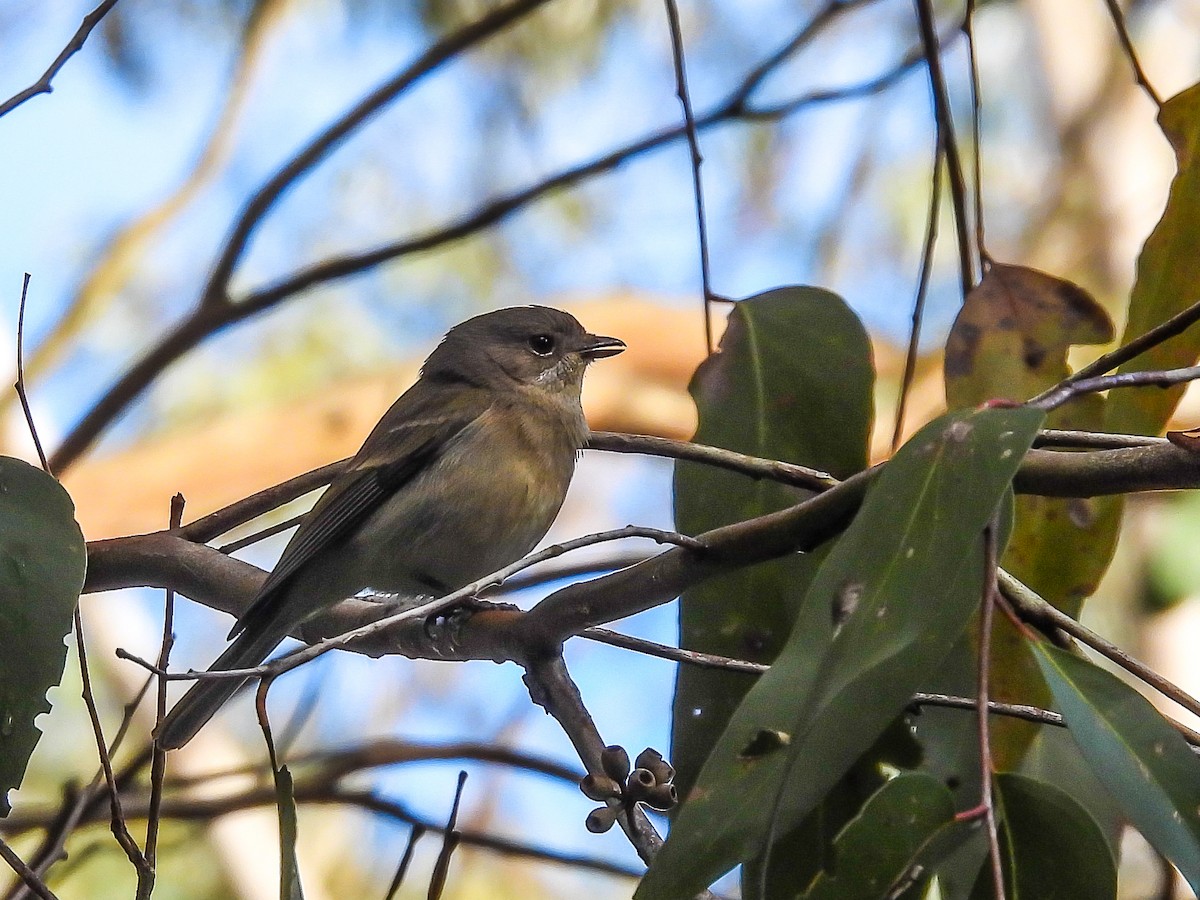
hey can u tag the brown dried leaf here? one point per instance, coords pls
(1012, 335)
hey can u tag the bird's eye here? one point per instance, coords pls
(542, 344)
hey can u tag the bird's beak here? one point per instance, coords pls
(595, 346)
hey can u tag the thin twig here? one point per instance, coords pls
(1034, 714)
(242, 511)
(43, 85)
(414, 834)
(27, 875)
(918, 312)
(756, 467)
(945, 131)
(990, 592)
(977, 155)
(450, 841)
(20, 385)
(1030, 605)
(689, 124)
(262, 534)
(1161, 332)
(709, 660)
(675, 654)
(1155, 378)
(755, 77)
(158, 761)
(569, 570)
(1118, 19)
(117, 822)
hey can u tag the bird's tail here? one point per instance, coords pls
(208, 695)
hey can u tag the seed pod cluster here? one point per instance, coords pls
(620, 786)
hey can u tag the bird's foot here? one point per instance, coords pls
(449, 623)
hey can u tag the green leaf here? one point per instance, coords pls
(1168, 277)
(902, 582)
(1050, 846)
(42, 564)
(1144, 762)
(792, 381)
(285, 805)
(878, 846)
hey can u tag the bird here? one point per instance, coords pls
(463, 475)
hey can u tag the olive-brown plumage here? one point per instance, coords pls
(463, 475)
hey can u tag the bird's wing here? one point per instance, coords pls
(409, 437)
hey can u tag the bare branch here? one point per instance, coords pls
(444, 50)
(158, 762)
(28, 877)
(756, 467)
(117, 823)
(689, 125)
(1118, 18)
(946, 138)
(923, 275)
(20, 385)
(43, 85)
(551, 687)
(414, 835)
(1094, 440)
(1013, 710)
(450, 841)
(968, 28)
(1071, 389)
(675, 654)
(201, 573)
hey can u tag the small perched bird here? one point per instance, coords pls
(463, 475)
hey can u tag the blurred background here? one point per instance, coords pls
(119, 190)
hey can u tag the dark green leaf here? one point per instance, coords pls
(1140, 758)
(1050, 846)
(878, 846)
(792, 381)
(912, 558)
(42, 564)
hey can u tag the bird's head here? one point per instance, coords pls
(531, 346)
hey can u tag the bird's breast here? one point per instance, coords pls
(488, 499)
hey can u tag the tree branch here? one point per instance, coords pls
(43, 85)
